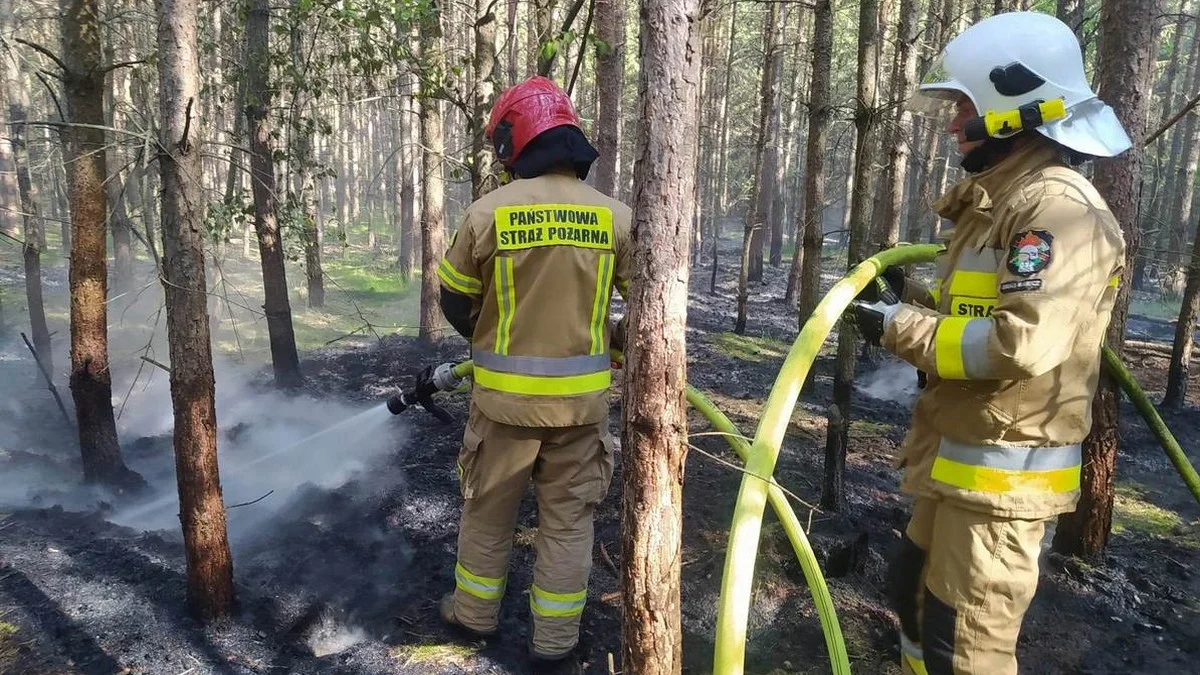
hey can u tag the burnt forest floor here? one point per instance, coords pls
(342, 574)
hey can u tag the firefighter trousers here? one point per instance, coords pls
(571, 468)
(960, 584)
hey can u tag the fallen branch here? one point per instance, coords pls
(1174, 119)
(608, 561)
(1155, 348)
(152, 362)
(49, 382)
(235, 506)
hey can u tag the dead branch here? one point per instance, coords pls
(235, 506)
(123, 64)
(45, 52)
(152, 362)
(1155, 348)
(49, 381)
(608, 561)
(1174, 119)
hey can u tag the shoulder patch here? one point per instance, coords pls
(1030, 252)
(1022, 285)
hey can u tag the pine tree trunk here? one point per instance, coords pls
(1126, 67)
(10, 196)
(301, 164)
(32, 233)
(433, 183)
(1071, 13)
(766, 154)
(722, 210)
(897, 171)
(483, 180)
(513, 43)
(775, 161)
(654, 432)
(610, 83)
(819, 115)
(201, 507)
(1183, 182)
(83, 158)
(284, 359)
(832, 494)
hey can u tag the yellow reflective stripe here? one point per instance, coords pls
(506, 303)
(457, 280)
(534, 385)
(545, 603)
(600, 302)
(973, 284)
(483, 588)
(936, 294)
(912, 655)
(986, 479)
(947, 348)
(1115, 281)
(916, 665)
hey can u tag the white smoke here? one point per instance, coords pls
(893, 381)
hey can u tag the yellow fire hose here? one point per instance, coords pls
(761, 455)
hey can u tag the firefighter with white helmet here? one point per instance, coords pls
(1009, 337)
(528, 280)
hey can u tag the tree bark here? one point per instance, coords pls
(284, 359)
(766, 155)
(483, 179)
(808, 259)
(83, 158)
(433, 180)
(201, 506)
(832, 495)
(1126, 66)
(10, 195)
(610, 84)
(654, 433)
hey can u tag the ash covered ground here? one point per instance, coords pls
(340, 567)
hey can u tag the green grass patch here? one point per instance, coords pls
(1133, 513)
(440, 655)
(751, 348)
(868, 428)
(8, 646)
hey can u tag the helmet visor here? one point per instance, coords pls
(935, 94)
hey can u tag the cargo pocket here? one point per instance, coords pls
(604, 468)
(467, 456)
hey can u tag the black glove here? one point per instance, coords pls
(872, 318)
(424, 385)
(890, 281)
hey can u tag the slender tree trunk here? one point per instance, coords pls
(32, 233)
(119, 224)
(10, 196)
(1183, 183)
(91, 380)
(766, 154)
(897, 171)
(1071, 13)
(201, 507)
(284, 359)
(433, 181)
(820, 112)
(722, 167)
(513, 31)
(483, 180)
(1126, 66)
(301, 163)
(654, 435)
(832, 494)
(610, 83)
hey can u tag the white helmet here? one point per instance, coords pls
(1013, 59)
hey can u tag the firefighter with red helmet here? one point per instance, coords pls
(528, 281)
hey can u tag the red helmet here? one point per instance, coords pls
(525, 110)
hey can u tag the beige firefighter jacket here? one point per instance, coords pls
(1010, 336)
(540, 258)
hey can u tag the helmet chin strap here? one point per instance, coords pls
(989, 153)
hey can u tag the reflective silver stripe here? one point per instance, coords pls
(542, 365)
(976, 364)
(909, 648)
(987, 260)
(476, 588)
(1012, 458)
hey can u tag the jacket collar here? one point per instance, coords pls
(977, 192)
